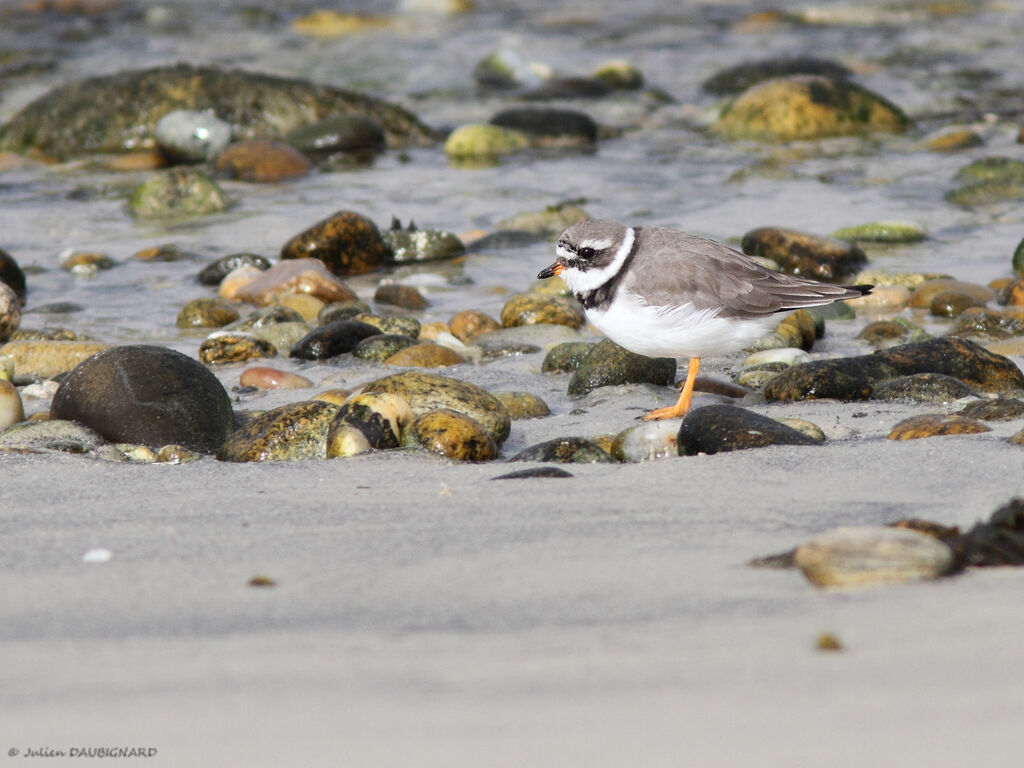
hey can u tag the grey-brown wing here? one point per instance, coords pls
(673, 270)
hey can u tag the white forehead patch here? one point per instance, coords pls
(582, 282)
(597, 245)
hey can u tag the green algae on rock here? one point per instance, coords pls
(807, 107)
(119, 112)
(177, 193)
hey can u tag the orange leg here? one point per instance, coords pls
(683, 403)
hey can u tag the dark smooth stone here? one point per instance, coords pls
(217, 270)
(799, 253)
(923, 388)
(537, 121)
(739, 78)
(719, 428)
(11, 274)
(524, 474)
(567, 88)
(149, 395)
(608, 363)
(404, 296)
(566, 357)
(332, 339)
(1000, 409)
(999, 541)
(566, 450)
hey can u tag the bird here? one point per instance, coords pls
(666, 293)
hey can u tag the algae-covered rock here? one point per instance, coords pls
(179, 192)
(484, 141)
(807, 107)
(119, 112)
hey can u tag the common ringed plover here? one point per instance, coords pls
(664, 293)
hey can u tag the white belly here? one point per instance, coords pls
(675, 332)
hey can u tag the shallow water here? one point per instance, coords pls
(960, 67)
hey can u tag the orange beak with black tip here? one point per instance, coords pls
(555, 269)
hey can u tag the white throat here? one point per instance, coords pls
(584, 282)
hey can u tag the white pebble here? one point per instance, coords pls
(192, 135)
(787, 355)
(97, 555)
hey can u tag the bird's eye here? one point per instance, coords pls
(586, 253)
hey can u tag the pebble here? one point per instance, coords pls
(522, 405)
(882, 232)
(953, 138)
(1012, 293)
(999, 409)
(909, 280)
(885, 299)
(923, 388)
(400, 324)
(619, 75)
(883, 334)
(6, 368)
(989, 323)
(148, 395)
(1017, 260)
(506, 69)
(12, 275)
(281, 335)
(549, 127)
(160, 253)
(925, 293)
(451, 434)
(332, 339)
(484, 142)
(178, 193)
(291, 276)
(804, 427)
(336, 396)
(337, 134)
(10, 311)
(416, 245)
(534, 472)
(262, 161)
(429, 392)
(785, 356)
(952, 303)
(869, 556)
(46, 359)
(566, 450)
(548, 223)
(328, 24)
(988, 180)
(799, 253)
(263, 377)
(566, 357)
(740, 77)
(936, 424)
(291, 432)
(42, 390)
(234, 347)
(50, 436)
(801, 107)
(997, 541)
(188, 136)
(368, 421)
(647, 441)
(425, 355)
(381, 346)
(343, 310)
(533, 308)
(404, 296)
(471, 322)
(214, 272)
(718, 428)
(558, 88)
(810, 328)
(11, 408)
(307, 305)
(506, 342)
(609, 364)
(85, 262)
(347, 242)
(206, 312)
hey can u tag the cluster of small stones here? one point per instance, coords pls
(191, 126)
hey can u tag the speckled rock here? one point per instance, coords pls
(346, 242)
(533, 308)
(425, 355)
(999, 409)
(11, 408)
(799, 253)
(936, 424)
(952, 303)
(481, 141)
(262, 161)
(332, 339)
(807, 107)
(549, 127)
(549, 223)
(191, 136)
(234, 347)
(428, 392)
(381, 346)
(870, 556)
(609, 364)
(809, 327)
(288, 433)
(11, 274)
(292, 276)
(566, 450)
(148, 395)
(117, 113)
(337, 134)
(50, 436)
(718, 428)
(46, 359)
(10, 311)
(413, 244)
(566, 357)
(181, 192)
(923, 388)
(451, 434)
(262, 377)
(217, 270)
(274, 314)
(471, 322)
(404, 296)
(400, 324)
(368, 422)
(854, 378)
(343, 310)
(207, 312)
(522, 405)
(883, 334)
(647, 441)
(740, 77)
(985, 323)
